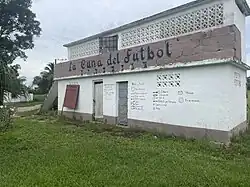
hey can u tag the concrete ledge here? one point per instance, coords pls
(190, 132)
(28, 108)
(77, 116)
(168, 129)
(241, 128)
(182, 131)
(110, 120)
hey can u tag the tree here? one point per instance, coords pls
(248, 83)
(45, 80)
(14, 83)
(18, 26)
(48, 74)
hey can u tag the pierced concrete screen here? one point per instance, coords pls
(71, 96)
(169, 80)
(174, 26)
(85, 49)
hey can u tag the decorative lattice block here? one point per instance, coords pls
(85, 49)
(193, 21)
(169, 80)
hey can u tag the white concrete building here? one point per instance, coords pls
(179, 72)
(22, 98)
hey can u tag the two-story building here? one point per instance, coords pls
(180, 72)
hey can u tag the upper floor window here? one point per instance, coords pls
(108, 44)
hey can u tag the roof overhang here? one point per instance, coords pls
(243, 6)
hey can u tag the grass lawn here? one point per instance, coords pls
(40, 151)
(39, 98)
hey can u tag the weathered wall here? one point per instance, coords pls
(233, 15)
(19, 99)
(210, 97)
(237, 93)
(219, 43)
(240, 22)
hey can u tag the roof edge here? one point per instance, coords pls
(243, 6)
(145, 20)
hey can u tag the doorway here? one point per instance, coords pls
(123, 103)
(98, 100)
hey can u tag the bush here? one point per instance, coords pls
(6, 114)
(39, 98)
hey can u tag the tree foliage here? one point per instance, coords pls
(248, 83)
(45, 80)
(18, 26)
(12, 82)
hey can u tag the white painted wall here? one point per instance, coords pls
(233, 15)
(221, 105)
(238, 103)
(28, 98)
(85, 100)
(240, 22)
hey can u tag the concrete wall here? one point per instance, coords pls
(19, 99)
(219, 43)
(233, 15)
(240, 22)
(177, 26)
(237, 93)
(210, 97)
(188, 91)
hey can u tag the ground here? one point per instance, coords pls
(49, 151)
(46, 150)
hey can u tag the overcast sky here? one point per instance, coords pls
(63, 21)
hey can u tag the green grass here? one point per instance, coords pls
(46, 151)
(39, 98)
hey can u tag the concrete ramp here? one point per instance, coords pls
(50, 98)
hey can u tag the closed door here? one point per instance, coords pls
(123, 103)
(98, 100)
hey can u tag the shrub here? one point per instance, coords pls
(6, 114)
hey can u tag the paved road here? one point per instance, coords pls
(28, 108)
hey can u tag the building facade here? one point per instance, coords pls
(180, 72)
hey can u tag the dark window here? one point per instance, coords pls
(108, 44)
(71, 96)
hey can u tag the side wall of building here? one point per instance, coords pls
(233, 15)
(238, 96)
(207, 97)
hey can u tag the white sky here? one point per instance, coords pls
(63, 21)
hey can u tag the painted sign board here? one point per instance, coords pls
(218, 43)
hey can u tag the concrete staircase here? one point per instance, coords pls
(50, 98)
